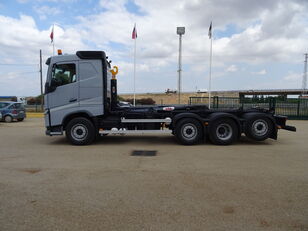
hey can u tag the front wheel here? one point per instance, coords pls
(223, 131)
(8, 119)
(188, 131)
(80, 131)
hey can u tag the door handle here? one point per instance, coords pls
(73, 100)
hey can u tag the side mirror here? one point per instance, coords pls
(54, 83)
(52, 86)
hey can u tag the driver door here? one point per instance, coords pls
(66, 95)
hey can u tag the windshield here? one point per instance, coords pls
(3, 105)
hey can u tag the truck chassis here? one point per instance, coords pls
(190, 124)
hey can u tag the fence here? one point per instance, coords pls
(34, 108)
(293, 108)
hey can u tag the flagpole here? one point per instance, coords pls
(210, 77)
(53, 40)
(135, 69)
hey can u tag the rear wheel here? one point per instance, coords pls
(21, 119)
(80, 131)
(8, 119)
(258, 128)
(188, 131)
(223, 131)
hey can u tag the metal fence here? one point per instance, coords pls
(293, 108)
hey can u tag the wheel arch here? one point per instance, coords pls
(84, 114)
(218, 115)
(250, 115)
(180, 116)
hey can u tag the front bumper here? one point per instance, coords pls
(18, 116)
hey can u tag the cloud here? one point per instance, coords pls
(232, 68)
(44, 1)
(45, 11)
(266, 32)
(293, 77)
(261, 72)
(20, 42)
(21, 39)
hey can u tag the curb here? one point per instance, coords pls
(35, 115)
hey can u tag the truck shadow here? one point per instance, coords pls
(157, 140)
(246, 141)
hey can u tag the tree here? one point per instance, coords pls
(142, 101)
(35, 100)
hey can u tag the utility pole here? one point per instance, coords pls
(41, 78)
(180, 31)
(304, 83)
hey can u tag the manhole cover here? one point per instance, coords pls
(144, 153)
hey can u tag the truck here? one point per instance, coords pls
(81, 101)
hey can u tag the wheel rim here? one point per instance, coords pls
(224, 131)
(189, 131)
(260, 127)
(79, 132)
(8, 119)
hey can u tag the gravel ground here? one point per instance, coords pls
(47, 184)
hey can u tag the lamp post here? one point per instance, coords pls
(180, 31)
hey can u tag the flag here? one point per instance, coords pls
(51, 34)
(134, 34)
(210, 31)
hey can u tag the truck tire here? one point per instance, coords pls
(80, 131)
(223, 131)
(258, 128)
(188, 131)
(8, 119)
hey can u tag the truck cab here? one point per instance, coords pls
(76, 84)
(81, 100)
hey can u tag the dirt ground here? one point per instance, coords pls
(47, 184)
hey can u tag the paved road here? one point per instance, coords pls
(47, 184)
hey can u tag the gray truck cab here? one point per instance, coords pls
(76, 84)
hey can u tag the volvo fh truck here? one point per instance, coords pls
(81, 101)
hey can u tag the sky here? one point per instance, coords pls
(257, 44)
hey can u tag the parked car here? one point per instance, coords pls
(0, 116)
(12, 111)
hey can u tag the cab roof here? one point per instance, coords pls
(78, 56)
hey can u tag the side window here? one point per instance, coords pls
(18, 106)
(3, 105)
(64, 73)
(13, 106)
